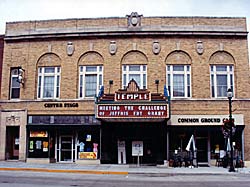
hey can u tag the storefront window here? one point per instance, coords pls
(211, 146)
(64, 138)
(38, 145)
(88, 144)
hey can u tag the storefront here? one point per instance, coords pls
(63, 138)
(133, 123)
(210, 142)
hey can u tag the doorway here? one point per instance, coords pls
(66, 146)
(202, 150)
(12, 143)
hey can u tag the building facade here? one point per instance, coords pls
(123, 90)
(1, 57)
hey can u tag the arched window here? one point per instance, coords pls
(49, 75)
(48, 82)
(178, 74)
(134, 66)
(90, 81)
(221, 74)
(90, 74)
(222, 78)
(136, 72)
(179, 80)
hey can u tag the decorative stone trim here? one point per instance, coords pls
(70, 48)
(221, 47)
(13, 120)
(156, 48)
(199, 47)
(134, 19)
(112, 47)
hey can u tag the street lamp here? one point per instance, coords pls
(229, 96)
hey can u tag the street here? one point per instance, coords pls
(38, 179)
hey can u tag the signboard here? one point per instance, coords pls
(137, 148)
(130, 96)
(132, 110)
(39, 134)
(204, 119)
(60, 105)
(132, 93)
(87, 155)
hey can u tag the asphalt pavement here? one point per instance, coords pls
(116, 169)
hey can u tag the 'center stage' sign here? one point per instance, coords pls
(132, 111)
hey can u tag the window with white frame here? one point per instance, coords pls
(90, 81)
(48, 82)
(222, 78)
(14, 84)
(136, 72)
(179, 80)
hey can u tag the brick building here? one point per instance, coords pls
(158, 81)
(1, 56)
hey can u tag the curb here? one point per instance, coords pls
(183, 174)
(67, 171)
(104, 172)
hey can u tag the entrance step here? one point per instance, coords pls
(203, 164)
(38, 160)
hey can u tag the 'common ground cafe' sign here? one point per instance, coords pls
(180, 120)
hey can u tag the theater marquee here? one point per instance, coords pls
(132, 111)
(132, 103)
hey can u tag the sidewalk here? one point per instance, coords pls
(116, 169)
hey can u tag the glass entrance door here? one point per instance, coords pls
(66, 144)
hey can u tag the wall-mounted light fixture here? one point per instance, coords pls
(157, 84)
(20, 78)
(110, 84)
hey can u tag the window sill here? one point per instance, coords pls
(87, 99)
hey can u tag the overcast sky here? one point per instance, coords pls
(23, 10)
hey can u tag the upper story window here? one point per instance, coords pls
(179, 80)
(14, 84)
(136, 72)
(48, 82)
(222, 78)
(90, 81)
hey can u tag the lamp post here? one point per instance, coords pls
(229, 96)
